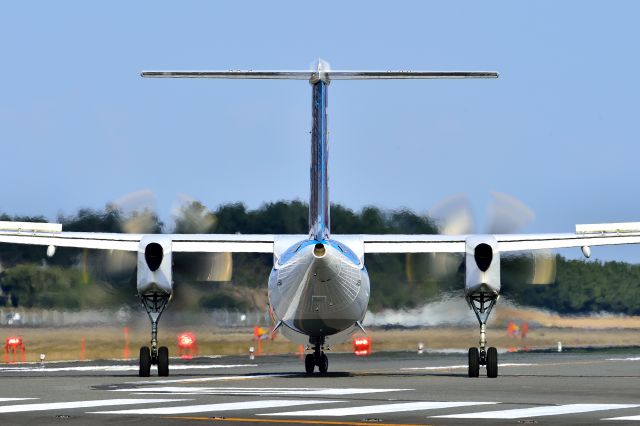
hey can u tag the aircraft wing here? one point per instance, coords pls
(585, 236)
(46, 234)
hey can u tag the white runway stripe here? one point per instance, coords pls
(373, 409)
(21, 408)
(174, 390)
(246, 405)
(636, 418)
(14, 399)
(121, 367)
(459, 367)
(549, 410)
(206, 379)
(635, 358)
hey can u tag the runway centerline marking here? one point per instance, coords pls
(375, 409)
(549, 410)
(224, 406)
(21, 408)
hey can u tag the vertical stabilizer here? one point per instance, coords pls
(319, 222)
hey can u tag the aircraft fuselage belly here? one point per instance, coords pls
(319, 293)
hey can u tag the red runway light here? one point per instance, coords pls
(14, 341)
(186, 340)
(187, 347)
(362, 346)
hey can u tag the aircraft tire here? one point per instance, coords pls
(474, 362)
(323, 363)
(309, 364)
(163, 361)
(145, 362)
(492, 362)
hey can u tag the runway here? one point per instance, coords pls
(580, 387)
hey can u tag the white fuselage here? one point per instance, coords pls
(318, 289)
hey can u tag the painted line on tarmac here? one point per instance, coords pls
(14, 399)
(377, 409)
(228, 406)
(173, 390)
(295, 421)
(636, 418)
(549, 410)
(21, 408)
(208, 379)
(636, 358)
(121, 367)
(461, 366)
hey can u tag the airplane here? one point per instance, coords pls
(319, 287)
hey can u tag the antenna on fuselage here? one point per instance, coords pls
(319, 77)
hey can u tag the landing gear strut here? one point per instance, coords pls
(482, 304)
(318, 357)
(154, 304)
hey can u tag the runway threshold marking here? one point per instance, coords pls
(295, 421)
(549, 410)
(376, 409)
(21, 408)
(225, 406)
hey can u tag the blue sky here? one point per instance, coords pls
(558, 130)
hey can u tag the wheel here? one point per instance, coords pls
(323, 363)
(474, 362)
(309, 364)
(492, 363)
(163, 361)
(145, 362)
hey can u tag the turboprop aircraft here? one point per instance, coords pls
(318, 287)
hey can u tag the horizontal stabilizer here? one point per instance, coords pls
(608, 228)
(30, 226)
(324, 75)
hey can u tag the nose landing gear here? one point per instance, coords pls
(154, 304)
(482, 304)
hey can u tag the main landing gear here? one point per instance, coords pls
(154, 304)
(482, 304)
(318, 357)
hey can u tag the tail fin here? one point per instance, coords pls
(320, 77)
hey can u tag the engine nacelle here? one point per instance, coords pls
(155, 265)
(482, 263)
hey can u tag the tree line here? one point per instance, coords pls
(77, 279)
